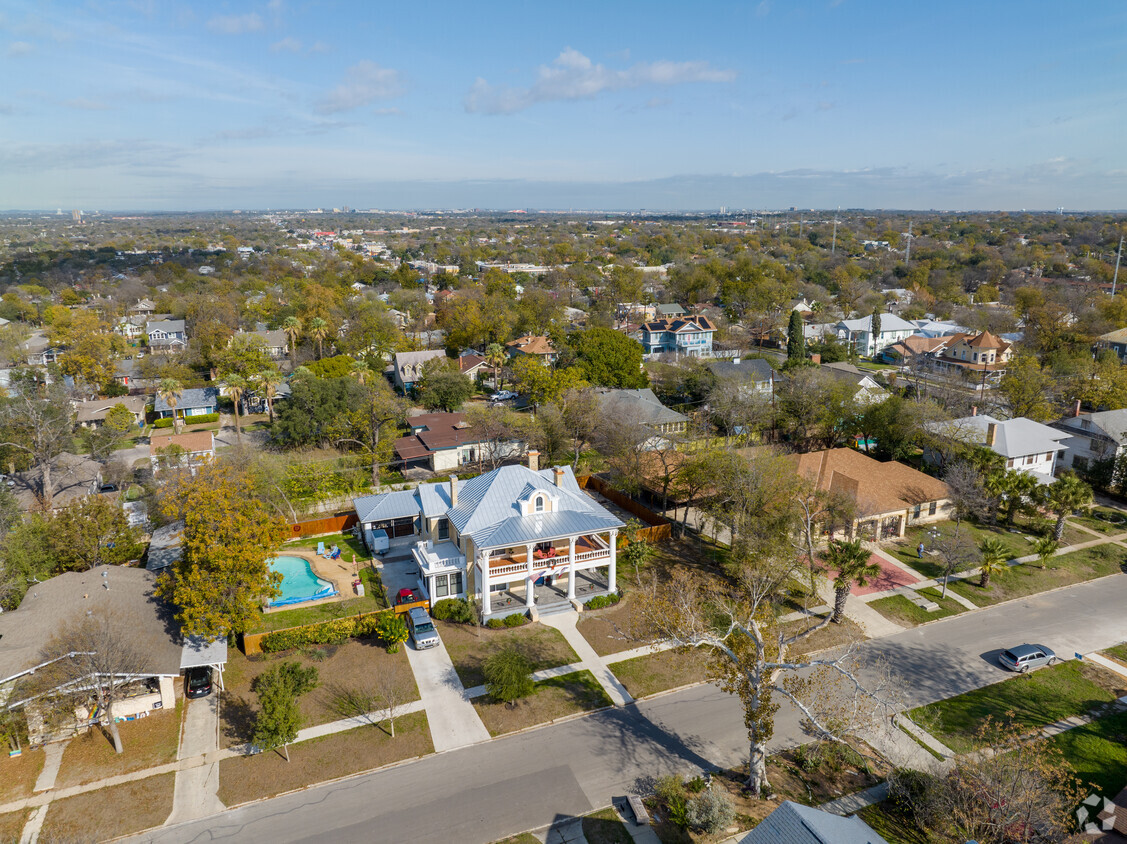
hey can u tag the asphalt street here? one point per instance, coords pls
(488, 791)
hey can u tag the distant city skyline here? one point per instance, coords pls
(659, 106)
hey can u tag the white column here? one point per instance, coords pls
(612, 580)
(483, 567)
(571, 568)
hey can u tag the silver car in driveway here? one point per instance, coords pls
(422, 629)
(1024, 657)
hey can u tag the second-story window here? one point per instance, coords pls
(538, 504)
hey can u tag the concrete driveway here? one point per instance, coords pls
(196, 788)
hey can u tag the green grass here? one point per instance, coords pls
(1098, 752)
(374, 599)
(1029, 578)
(1035, 699)
(347, 543)
(605, 827)
(1118, 652)
(899, 609)
(1092, 521)
(1016, 545)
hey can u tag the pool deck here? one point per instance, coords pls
(340, 573)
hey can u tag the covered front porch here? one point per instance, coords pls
(548, 596)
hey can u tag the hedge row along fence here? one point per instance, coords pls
(201, 419)
(659, 528)
(382, 623)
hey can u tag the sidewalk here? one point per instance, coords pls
(453, 720)
(588, 659)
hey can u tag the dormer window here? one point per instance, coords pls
(538, 504)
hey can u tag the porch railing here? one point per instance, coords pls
(593, 555)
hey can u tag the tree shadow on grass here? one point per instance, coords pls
(238, 719)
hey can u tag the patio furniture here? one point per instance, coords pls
(320, 549)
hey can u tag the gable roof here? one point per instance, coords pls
(437, 431)
(194, 443)
(1112, 422)
(888, 322)
(918, 344)
(532, 344)
(753, 369)
(192, 397)
(848, 372)
(986, 340)
(1117, 336)
(877, 487)
(1012, 437)
(792, 823)
(89, 411)
(407, 364)
(692, 323)
(172, 326)
(642, 404)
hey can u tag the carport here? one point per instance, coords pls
(198, 652)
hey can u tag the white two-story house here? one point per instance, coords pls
(1094, 438)
(684, 335)
(1028, 446)
(515, 539)
(859, 333)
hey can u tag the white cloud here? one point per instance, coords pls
(573, 76)
(289, 45)
(19, 48)
(236, 24)
(363, 83)
(319, 47)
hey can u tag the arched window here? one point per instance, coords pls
(538, 504)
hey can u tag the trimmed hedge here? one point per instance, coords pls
(202, 419)
(457, 610)
(600, 601)
(515, 620)
(337, 632)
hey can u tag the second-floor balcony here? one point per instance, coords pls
(588, 549)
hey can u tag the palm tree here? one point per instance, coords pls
(236, 388)
(495, 356)
(318, 330)
(169, 391)
(1045, 548)
(268, 381)
(851, 561)
(292, 326)
(1067, 494)
(994, 559)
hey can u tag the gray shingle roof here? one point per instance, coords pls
(642, 405)
(193, 397)
(755, 369)
(1012, 438)
(792, 823)
(1111, 422)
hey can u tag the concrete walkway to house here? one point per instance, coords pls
(452, 719)
(45, 783)
(196, 788)
(588, 659)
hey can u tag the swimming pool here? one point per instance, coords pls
(299, 583)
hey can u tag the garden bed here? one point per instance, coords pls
(554, 698)
(110, 812)
(1036, 700)
(246, 778)
(469, 646)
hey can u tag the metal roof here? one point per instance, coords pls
(544, 526)
(1012, 437)
(198, 651)
(387, 505)
(793, 823)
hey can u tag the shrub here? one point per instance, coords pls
(671, 792)
(162, 423)
(392, 629)
(508, 675)
(710, 811)
(456, 610)
(337, 632)
(495, 623)
(600, 601)
(202, 419)
(515, 620)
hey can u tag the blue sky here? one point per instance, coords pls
(153, 104)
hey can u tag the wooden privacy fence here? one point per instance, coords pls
(659, 528)
(318, 527)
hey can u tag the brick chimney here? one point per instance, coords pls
(558, 474)
(974, 411)
(534, 460)
(1076, 408)
(453, 491)
(991, 434)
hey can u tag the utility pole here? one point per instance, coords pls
(833, 243)
(1115, 278)
(908, 250)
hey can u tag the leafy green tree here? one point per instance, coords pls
(1065, 495)
(994, 559)
(508, 676)
(1028, 389)
(279, 717)
(851, 563)
(443, 387)
(92, 531)
(377, 411)
(874, 326)
(391, 629)
(223, 575)
(608, 358)
(542, 385)
(315, 411)
(337, 366)
(115, 429)
(796, 340)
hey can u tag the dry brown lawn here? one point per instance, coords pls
(19, 773)
(554, 698)
(338, 667)
(469, 646)
(147, 743)
(111, 812)
(603, 628)
(647, 675)
(247, 778)
(12, 824)
(830, 636)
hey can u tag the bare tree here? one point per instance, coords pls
(38, 421)
(499, 434)
(736, 627)
(580, 410)
(380, 698)
(89, 664)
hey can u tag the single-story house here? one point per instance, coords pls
(749, 376)
(275, 343)
(445, 441)
(196, 401)
(793, 823)
(866, 389)
(126, 597)
(506, 538)
(1115, 341)
(407, 367)
(889, 497)
(1026, 445)
(91, 414)
(533, 345)
(643, 406)
(72, 476)
(193, 450)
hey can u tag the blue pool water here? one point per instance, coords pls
(299, 583)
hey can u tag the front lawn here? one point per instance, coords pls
(605, 629)
(340, 668)
(554, 698)
(1029, 578)
(19, 773)
(647, 675)
(1104, 520)
(147, 742)
(469, 646)
(246, 778)
(12, 824)
(110, 812)
(1015, 544)
(830, 636)
(899, 609)
(375, 598)
(1118, 652)
(1098, 752)
(1035, 699)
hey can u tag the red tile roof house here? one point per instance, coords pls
(195, 449)
(445, 441)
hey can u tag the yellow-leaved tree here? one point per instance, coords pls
(222, 577)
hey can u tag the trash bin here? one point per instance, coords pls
(359, 587)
